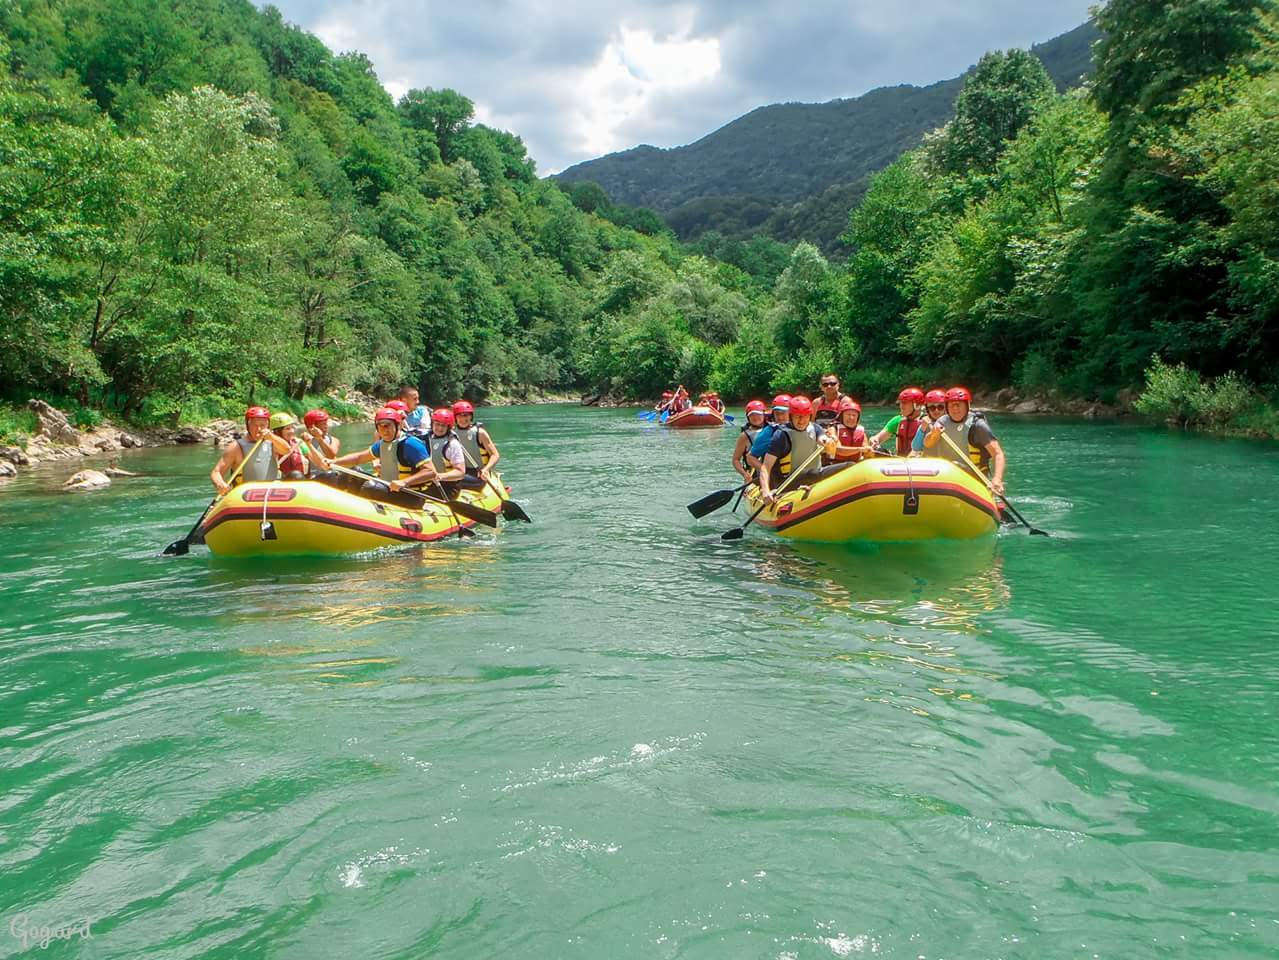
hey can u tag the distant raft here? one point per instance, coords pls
(309, 517)
(701, 416)
(888, 500)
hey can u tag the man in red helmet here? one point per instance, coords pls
(258, 450)
(447, 455)
(403, 461)
(970, 432)
(755, 414)
(905, 425)
(793, 447)
(478, 447)
(317, 430)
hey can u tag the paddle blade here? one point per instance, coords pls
(730, 418)
(735, 534)
(1038, 533)
(513, 511)
(178, 548)
(478, 514)
(710, 503)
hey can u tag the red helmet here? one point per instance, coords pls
(801, 407)
(312, 417)
(255, 413)
(756, 406)
(848, 403)
(913, 394)
(443, 415)
(399, 405)
(461, 407)
(958, 395)
(667, 393)
(935, 396)
(389, 413)
(781, 401)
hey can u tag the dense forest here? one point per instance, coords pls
(792, 171)
(200, 204)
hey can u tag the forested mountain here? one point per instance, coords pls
(764, 172)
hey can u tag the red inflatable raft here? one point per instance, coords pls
(696, 417)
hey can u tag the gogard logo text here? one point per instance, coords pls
(31, 933)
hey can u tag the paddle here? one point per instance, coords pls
(471, 512)
(738, 532)
(462, 532)
(713, 501)
(1034, 531)
(649, 415)
(180, 548)
(510, 509)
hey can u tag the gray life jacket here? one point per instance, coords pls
(389, 467)
(262, 466)
(803, 444)
(439, 446)
(958, 433)
(469, 438)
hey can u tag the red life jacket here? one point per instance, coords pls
(906, 431)
(827, 411)
(851, 438)
(293, 462)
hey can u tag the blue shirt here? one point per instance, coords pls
(762, 439)
(412, 450)
(418, 419)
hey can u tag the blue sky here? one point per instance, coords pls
(578, 79)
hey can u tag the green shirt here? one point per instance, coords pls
(891, 426)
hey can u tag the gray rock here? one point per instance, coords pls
(53, 423)
(129, 440)
(189, 435)
(87, 480)
(1005, 397)
(7, 469)
(1027, 406)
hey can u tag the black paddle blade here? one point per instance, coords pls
(735, 534)
(1038, 533)
(463, 533)
(471, 512)
(178, 548)
(710, 503)
(513, 511)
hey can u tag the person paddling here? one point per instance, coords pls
(258, 450)
(755, 414)
(780, 417)
(481, 453)
(403, 462)
(934, 410)
(317, 432)
(827, 409)
(971, 434)
(850, 436)
(447, 458)
(903, 426)
(792, 446)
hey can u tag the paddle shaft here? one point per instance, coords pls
(479, 514)
(989, 486)
(471, 460)
(785, 483)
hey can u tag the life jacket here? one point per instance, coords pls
(438, 447)
(751, 433)
(393, 460)
(906, 431)
(293, 463)
(958, 433)
(477, 455)
(262, 466)
(826, 412)
(855, 437)
(803, 444)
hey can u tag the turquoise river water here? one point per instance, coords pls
(610, 734)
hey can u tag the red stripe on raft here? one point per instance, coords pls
(333, 519)
(879, 490)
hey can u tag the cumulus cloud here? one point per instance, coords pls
(578, 79)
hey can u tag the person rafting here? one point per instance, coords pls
(714, 402)
(794, 445)
(404, 462)
(827, 407)
(780, 417)
(756, 413)
(417, 416)
(903, 426)
(257, 451)
(934, 409)
(850, 436)
(447, 456)
(316, 423)
(295, 464)
(481, 453)
(663, 405)
(971, 438)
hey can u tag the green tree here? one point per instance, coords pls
(446, 113)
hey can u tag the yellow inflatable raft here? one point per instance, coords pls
(313, 517)
(885, 500)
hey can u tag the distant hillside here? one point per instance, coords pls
(755, 174)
